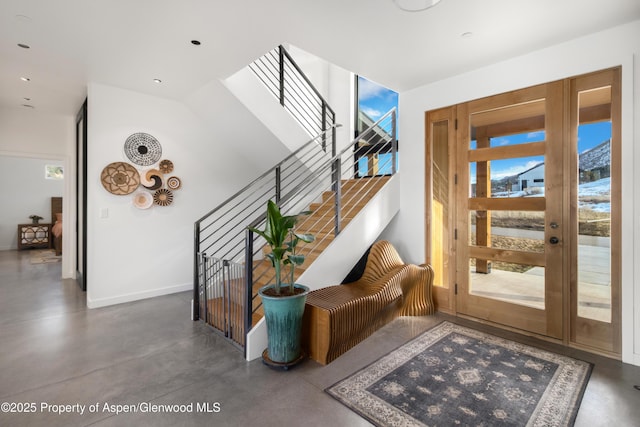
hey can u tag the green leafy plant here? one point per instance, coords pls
(281, 237)
(35, 218)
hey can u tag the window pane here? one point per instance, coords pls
(594, 205)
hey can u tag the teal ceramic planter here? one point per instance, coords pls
(284, 324)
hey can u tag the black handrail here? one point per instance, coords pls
(239, 198)
(272, 170)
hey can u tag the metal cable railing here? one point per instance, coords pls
(284, 78)
(227, 255)
(337, 189)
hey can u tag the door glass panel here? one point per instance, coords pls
(519, 177)
(520, 138)
(440, 205)
(594, 204)
(512, 230)
(506, 241)
(510, 282)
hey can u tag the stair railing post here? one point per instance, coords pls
(196, 272)
(337, 190)
(394, 143)
(278, 184)
(226, 298)
(334, 148)
(248, 280)
(324, 126)
(205, 268)
(281, 72)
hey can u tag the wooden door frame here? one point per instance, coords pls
(444, 297)
(610, 77)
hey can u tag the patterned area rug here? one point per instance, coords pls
(452, 375)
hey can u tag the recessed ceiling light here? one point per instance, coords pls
(196, 42)
(25, 79)
(415, 5)
(466, 35)
(27, 99)
(23, 18)
(28, 105)
(24, 46)
(157, 81)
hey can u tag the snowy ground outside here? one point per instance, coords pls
(600, 188)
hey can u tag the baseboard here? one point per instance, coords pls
(104, 302)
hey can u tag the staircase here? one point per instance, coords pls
(339, 188)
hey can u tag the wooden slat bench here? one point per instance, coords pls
(336, 318)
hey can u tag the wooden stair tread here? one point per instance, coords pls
(355, 193)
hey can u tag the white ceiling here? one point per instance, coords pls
(128, 43)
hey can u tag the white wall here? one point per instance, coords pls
(26, 192)
(29, 133)
(133, 253)
(617, 46)
(229, 120)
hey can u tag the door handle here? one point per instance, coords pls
(554, 240)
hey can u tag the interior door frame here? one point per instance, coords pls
(81, 197)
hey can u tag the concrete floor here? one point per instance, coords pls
(53, 350)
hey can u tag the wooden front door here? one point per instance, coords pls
(508, 223)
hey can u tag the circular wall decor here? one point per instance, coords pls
(120, 178)
(142, 149)
(174, 183)
(166, 166)
(142, 199)
(163, 197)
(152, 179)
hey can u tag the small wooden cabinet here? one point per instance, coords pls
(34, 236)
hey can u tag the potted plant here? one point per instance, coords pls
(35, 219)
(283, 303)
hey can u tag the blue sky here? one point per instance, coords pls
(375, 100)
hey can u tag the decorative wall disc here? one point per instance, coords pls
(166, 166)
(174, 183)
(163, 197)
(142, 199)
(152, 179)
(120, 178)
(143, 149)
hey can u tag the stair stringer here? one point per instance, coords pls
(335, 262)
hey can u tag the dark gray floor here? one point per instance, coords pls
(54, 350)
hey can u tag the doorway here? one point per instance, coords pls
(524, 202)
